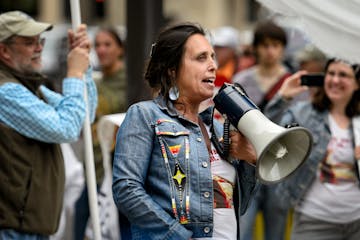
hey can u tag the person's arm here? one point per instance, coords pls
(61, 117)
(80, 39)
(243, 156)
(59, 121)
(282, 100)
(54, 98)
(134, 147)
(248, 183)
(276, 108)
(92, 93)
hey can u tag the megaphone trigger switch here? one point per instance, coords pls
(292, 125)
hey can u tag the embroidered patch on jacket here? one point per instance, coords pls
(178, 176)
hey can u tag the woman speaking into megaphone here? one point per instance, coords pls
(168, 178)
(325, 190)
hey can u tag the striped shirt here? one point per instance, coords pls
(57, 120)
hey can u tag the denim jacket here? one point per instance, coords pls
(144, 165)
(292, 189)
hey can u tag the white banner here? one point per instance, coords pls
(332, 25)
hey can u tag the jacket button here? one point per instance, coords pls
(199, 139)
(206, 230)
(206, 194)
(204, 164)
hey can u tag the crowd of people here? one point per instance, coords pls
(170, 179)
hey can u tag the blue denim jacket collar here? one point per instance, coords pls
(165, 105)
(169, 107)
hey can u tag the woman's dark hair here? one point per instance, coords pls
(166, 54)
(268, 30)
(321, 101)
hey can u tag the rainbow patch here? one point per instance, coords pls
(175, 149)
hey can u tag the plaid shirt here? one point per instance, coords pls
(58, 120)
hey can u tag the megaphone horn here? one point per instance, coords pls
(280, 151)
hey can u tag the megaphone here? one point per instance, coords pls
(280, 151)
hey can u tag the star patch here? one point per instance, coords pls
(179, 176)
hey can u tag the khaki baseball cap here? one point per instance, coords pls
(19, 23)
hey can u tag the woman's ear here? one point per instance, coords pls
(172, 73)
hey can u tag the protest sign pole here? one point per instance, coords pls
(89, 153)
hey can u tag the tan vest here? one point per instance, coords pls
(32, 178)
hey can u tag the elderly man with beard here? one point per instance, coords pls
(33, 122)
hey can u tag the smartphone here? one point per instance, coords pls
(313, 79)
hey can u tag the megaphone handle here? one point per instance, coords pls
(226, 138)
(222, 149)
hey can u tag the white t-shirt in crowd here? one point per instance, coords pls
(336, 202)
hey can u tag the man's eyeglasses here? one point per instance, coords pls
(29, 42)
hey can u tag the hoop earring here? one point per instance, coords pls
(174, 93)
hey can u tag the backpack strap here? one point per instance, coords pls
(270, 94)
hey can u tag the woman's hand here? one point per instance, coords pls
(292, 86)
(241, 148)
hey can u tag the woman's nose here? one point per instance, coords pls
(213, 65)
(336, 78)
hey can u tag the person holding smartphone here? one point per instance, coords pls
(325, 190)
(312, 60)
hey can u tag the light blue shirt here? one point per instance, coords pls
(57, 120)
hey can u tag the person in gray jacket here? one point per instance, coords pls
(324, 191)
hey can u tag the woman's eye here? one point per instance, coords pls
(331, 73)
(202, 57)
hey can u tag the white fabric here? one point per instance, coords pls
(220, 167)
(74, 184)
(332, 25)
(338, 203)
(356, 128)
(107, 125)
(225, 223)
(108, 211)
(224, 227)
